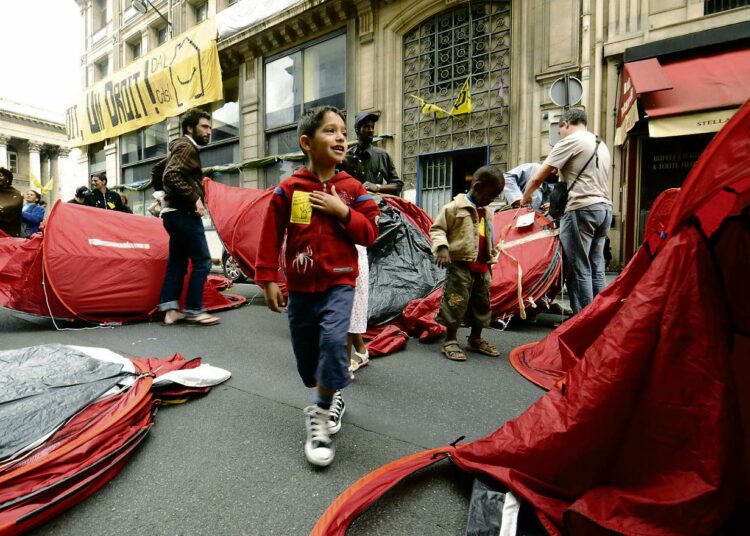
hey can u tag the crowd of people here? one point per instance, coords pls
(326, 215)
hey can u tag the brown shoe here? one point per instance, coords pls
(453, 351)
(480, 346)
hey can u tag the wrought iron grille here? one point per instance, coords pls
(439, 54)
(716, 6)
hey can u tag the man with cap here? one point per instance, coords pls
(81, 192)
(377, 164)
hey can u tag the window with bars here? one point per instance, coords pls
(717, 6)
(467, 42)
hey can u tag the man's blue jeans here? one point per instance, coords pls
(582, 234)
(187, 240)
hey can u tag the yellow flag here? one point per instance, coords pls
(36, 184)
(462, 104)
(428, 108)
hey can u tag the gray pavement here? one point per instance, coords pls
(232, 462)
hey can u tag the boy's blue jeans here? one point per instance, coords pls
(319, 324)
(187, 240)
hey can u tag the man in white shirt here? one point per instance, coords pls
(588, 214)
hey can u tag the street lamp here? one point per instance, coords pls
(141, 6)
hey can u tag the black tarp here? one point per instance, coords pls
(402, 268)
(41, 387)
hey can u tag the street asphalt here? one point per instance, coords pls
(232, 462)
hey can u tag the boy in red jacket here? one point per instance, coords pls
(324, 214)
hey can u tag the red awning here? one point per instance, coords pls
(686, 96)
(701, 83)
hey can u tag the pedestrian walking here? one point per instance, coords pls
(324, 214)
(181, 213)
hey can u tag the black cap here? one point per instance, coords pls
(81, 191)
(365, 115)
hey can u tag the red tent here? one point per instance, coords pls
(528, 270)
(646, 431)
(93, 265)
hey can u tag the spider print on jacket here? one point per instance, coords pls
(303, 260)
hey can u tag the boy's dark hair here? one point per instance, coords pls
(192, 117)
(488, 174)
(311, 120)
(574, 116)
(8, 174)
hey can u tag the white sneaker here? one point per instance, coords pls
(335, 413)
(319, 448)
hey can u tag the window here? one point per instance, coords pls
(101, 69)
(162, 35)
(201, 12)
(225, 117)
(311, 76)
(97, 158)
(99, 14)
(134, 50)
(717, 6)
(140, 150)
(13, 161)
(144, 144)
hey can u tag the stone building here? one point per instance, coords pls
(280, 56)
(33, 145)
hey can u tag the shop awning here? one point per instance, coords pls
(686, 96)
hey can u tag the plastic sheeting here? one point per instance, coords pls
(41, 387)
(402, 268)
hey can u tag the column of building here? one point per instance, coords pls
(4, 150)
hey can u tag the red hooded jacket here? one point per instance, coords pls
(320, 250)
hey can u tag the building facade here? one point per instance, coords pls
(282, 56)
(34, 146)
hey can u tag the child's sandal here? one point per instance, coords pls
(453, 351)
(481, 346)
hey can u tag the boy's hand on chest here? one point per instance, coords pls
(329, 204)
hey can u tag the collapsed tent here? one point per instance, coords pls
(93, 265)
(405, 282)
(647, 430)
(69, 418)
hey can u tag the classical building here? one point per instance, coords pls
(34, 146)
(281, 56)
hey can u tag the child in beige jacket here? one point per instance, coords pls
(462, 242)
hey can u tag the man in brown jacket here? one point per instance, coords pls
(181, 213)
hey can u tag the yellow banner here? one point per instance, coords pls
(182, 73)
